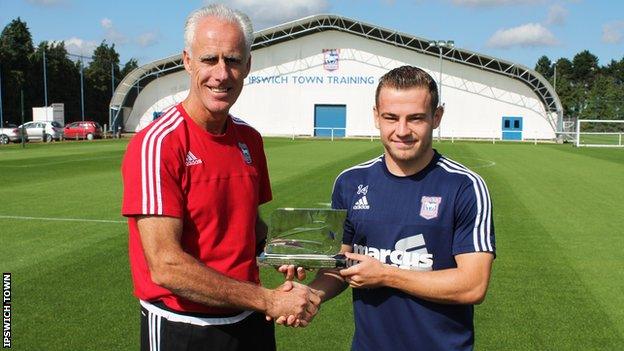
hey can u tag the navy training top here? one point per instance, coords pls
(419, 222)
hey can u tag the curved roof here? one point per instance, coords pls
(320, 23)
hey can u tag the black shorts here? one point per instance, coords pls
(163, 330)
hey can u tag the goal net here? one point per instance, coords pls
(600, 133)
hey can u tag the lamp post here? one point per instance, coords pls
(80, 59)
(45, 81)
(81, 90)
(560, 125)
(45, 85)
(555, 78)
(440, 44)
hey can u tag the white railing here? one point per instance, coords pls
(599, 137)
(330, 129)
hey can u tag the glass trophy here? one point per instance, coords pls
(304, 237)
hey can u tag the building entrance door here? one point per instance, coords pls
(512, 128)
(330, 120)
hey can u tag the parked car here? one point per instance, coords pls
(83, 130)
(44, 131)
(10, 132)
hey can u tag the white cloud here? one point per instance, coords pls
(106, 23)
(557, 14)
(527, 35)
(77, 46)
(266, 13)
(613, 32)
(492, 3)
(147, 39)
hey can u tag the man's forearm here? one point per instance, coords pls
(447, 286)
(462, 285)
(328, 283)
(174, 269)
(185, 276)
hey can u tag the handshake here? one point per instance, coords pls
(293, 304)
(311, 238)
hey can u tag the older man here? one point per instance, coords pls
(193, 181)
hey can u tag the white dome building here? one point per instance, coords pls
(317, 76)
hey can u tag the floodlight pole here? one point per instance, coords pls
(22, 108)
(45, 85)
(81, 90)
(441, 44)
(110, 115)
(45, 81)
(81, 57)
(112, 79)
(555, 79)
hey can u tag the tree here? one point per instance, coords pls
(564, 68)
(16, 47)
(585, 67)
(615, 69)
(63, 77)
(99, 77)
(130, 66)
(544, 67)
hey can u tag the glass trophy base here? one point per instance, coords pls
(302, 260)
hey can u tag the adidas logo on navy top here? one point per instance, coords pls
(191, 160)
(361, 204)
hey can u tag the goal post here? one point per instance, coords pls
(599, 133)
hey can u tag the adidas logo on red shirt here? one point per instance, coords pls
(191, 160)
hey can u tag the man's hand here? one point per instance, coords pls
(368, 273)
(290, 270)
(293, 304)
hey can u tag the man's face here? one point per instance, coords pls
(217, 64)
(406, 123)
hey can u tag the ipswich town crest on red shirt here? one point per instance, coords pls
(429, 206)
(245, 151)
(331, 57)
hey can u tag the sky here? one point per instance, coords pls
(520, 31)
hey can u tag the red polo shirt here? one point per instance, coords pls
(214, 183)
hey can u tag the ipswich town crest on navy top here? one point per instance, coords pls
(430, 206)
(330, 59)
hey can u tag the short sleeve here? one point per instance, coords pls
(152, 178)
(474, 230)
(265, 194)
(340, 203)
(337, 202)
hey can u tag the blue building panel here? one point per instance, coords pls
(328, 117)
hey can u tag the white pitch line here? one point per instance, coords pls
(26, 218)
(488, 163)
(58, 162)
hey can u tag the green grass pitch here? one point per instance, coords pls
(557, 284)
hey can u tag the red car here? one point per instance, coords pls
(83, 130)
